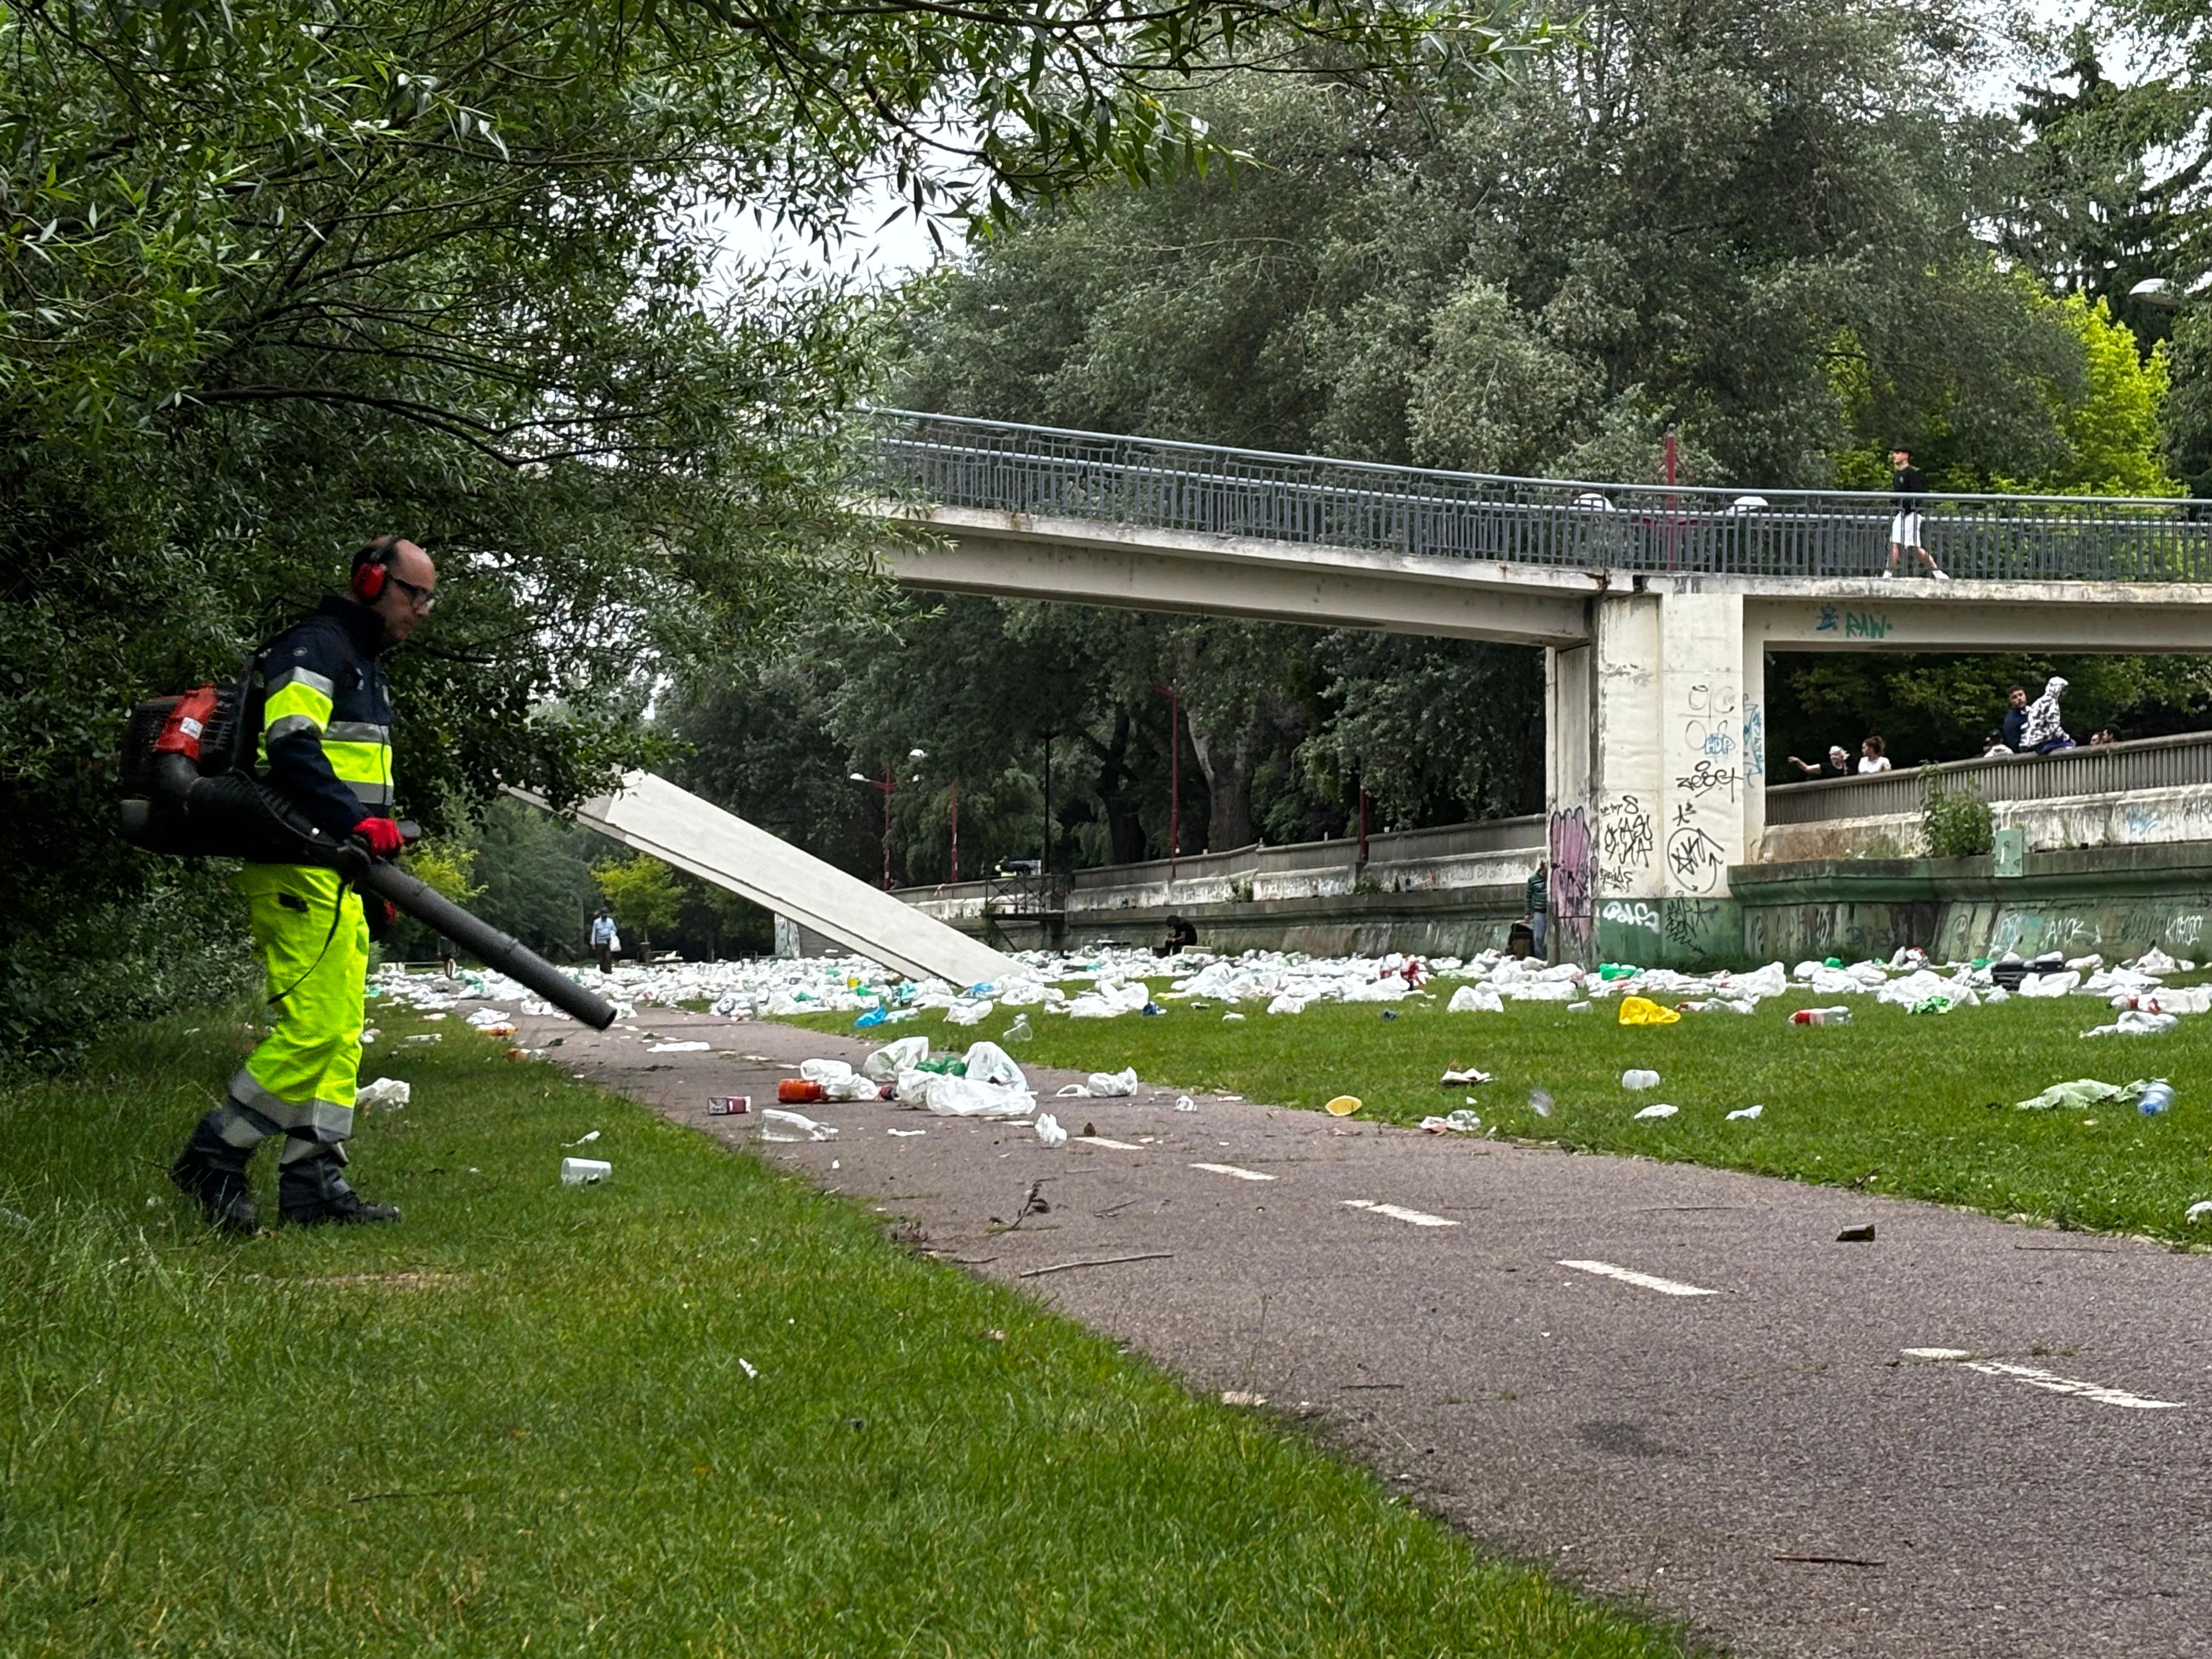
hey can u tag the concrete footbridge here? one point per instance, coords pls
(1656, 605)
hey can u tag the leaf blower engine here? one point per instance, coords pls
(189, 791)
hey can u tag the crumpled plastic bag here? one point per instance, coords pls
(1475, 999)
(1642, 1010)
(2050, 985)
(969, 1013)
(2083, 1092)
(1286, 1004)
(824, 1072)
(961, 1096)
(1660, 1109)
(990, 1065)
(386, 1094)
(2134, 1022)
(899, 1055)
(1049, 1130)
(852, 1087)
(1109, 1085)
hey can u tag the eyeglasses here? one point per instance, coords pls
(421, 597)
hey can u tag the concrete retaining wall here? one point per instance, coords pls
(2139, 817)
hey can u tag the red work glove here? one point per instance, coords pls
(382, 836)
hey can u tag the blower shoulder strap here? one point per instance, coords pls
(246, 743)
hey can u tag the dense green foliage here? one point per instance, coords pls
(278, 277)
(701, 1409)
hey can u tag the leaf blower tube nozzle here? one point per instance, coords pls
(485, 942)
(232, 815)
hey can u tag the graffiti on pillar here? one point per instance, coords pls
(1754, 739)
(1574, 879)
(1704, 777)
(1626, 839)
(1630, 915)
(1695, 859)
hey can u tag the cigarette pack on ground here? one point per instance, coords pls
(729, 1105)
(584, 1171)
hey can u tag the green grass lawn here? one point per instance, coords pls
(1918, 1106)
(518, 1422)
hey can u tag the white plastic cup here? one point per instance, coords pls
(584, 1171)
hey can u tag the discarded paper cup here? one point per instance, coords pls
(1344, 1106)
(584, 1171)
(729, 1105)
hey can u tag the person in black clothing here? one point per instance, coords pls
(1181, 936)
(1837, 765)
(2015, 720)
(1907, 487)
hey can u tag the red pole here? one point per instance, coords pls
(955, 830)
(1674, 528)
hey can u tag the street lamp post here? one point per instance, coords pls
(888, 785)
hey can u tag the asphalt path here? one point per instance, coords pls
(1670, 1385)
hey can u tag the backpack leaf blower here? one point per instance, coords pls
(185, 793)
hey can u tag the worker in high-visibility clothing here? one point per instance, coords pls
(324, 714)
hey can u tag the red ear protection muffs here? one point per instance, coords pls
(369, 571)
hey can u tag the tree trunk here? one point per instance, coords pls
(1227, 764)
(1124, 830)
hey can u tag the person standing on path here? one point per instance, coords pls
(605, 940)
(1537, 897)
(324, 711)
(1906, 488)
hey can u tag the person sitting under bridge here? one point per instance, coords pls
(1181, 936)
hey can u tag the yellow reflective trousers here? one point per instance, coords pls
(313, 942)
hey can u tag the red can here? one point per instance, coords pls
(798, 1091)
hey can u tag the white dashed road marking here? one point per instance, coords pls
(1648, 1281)
(1231, 1170)
(2039, 1379)
(1396, 1213)
(1101, 1140)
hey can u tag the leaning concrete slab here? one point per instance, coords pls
(675, 826)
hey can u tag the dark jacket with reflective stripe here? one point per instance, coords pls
(325, 716)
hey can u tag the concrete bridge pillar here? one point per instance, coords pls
(1654, 778)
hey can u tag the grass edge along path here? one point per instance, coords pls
(1902, 1105)
(702, 1410)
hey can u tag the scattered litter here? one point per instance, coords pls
(793, 1126)
(483, 1018)
(991, 1066)
(1540, 1101)
(1475, 999)
(1185, 1104)
(2199, 1210)
(1112, 1085)
(1636, 1079)
(906, 1134)
(1578, 1007)
(425, 1036)
(1862, 1233)
(901, 1054)
(1049, 1130)
(729, 1105)
(683, 1049)
(1661, 1109)
(1642, 1010)
(2133, 1022)
(1461, 1123)
(2083, 1092)
(962, 1097)
(1460, 1079)
(584, 1139)
(1746, 1112)
(749, 1368)
(386, 1094)
(1343, 1106)
(1072, 1091)
(821, 1071)
(584, 1171)
(2157, 1100)
(1930, 1005)
(1242, 1397)
(798, 1091)
(1019, 1031)
(1231, 1019)
(1821, 1017)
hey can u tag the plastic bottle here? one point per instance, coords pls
(2157, 1100)
(1634, 1079)
(798, 1091)
(1821, 1017)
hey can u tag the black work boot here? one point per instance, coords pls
(212, 1172)
(312, 1192)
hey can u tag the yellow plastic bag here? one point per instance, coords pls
(1642, 1010)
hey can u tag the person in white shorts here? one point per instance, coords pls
(1907, 487)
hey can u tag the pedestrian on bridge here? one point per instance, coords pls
(1837, 765)
(1906, 487)
(2045, 733)
(1873, 757)
(2015, 720)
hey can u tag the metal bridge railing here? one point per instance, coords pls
(2114, 768)
(954, 461)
